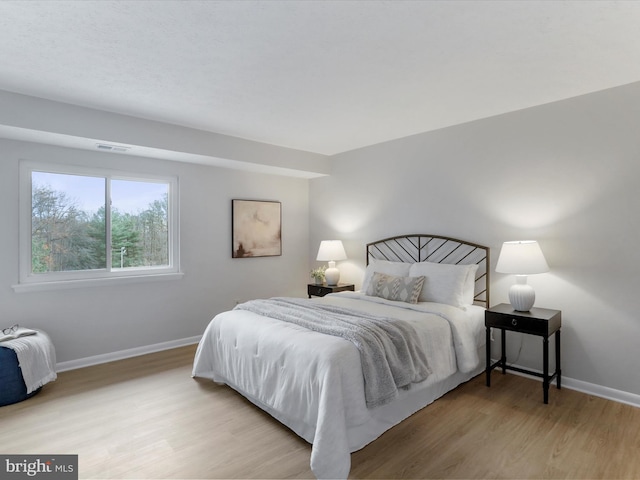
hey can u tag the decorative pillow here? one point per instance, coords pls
(399, 269)
(446, 283)
(400, 289)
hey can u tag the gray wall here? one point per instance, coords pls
(86, 322)
(565, 174)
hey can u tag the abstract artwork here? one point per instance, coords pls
(257, 228)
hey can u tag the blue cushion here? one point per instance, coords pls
(13, 388)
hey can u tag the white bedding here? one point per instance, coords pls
(313, 382)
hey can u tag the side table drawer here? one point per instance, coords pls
(520, 324)
(318, 290)
(322, 290)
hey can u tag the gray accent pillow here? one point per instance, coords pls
(391, 287)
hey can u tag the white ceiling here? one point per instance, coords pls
(320, 76)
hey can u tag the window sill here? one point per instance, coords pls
(94, 282)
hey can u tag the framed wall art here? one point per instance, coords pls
(256, 228)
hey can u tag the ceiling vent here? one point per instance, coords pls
(112, 148)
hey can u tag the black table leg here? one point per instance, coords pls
(545, 378)
(488, 356)
(558, 369)
(503, 354)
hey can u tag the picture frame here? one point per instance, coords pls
(256, 228)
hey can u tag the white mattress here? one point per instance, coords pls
(313, 383)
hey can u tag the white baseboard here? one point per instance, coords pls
(122, 354)
(588, 388)
(603, 392)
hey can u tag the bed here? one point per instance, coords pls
(328, 388)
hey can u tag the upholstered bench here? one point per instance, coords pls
(41, 354)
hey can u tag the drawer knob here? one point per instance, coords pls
(514, 322)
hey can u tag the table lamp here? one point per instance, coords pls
(330, 251)
(521, 258)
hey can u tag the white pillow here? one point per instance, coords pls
(399, 269)
(469, 292)
(446, 283)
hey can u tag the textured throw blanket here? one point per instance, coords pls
(36, 357)
(391, 358)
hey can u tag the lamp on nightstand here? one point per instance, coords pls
(330, 251)
(521, 258)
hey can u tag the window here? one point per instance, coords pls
(81, 225)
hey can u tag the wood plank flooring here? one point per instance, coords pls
(147, 418)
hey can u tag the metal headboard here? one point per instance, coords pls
(437, 249)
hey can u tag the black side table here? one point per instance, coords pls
(324, 289)
(538, 321)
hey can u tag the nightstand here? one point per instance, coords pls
(538, 321)
(324, 289)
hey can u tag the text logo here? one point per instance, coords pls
(49, 467)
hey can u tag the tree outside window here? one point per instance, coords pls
(73, 226)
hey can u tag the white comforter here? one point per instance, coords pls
(313, 382)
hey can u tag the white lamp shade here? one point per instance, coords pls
(521, 258)
(331, 250)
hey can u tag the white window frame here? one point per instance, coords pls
(83, 278)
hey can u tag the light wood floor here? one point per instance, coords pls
(147, 418)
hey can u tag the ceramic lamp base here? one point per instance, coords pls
(521, 294)
(332, 274)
